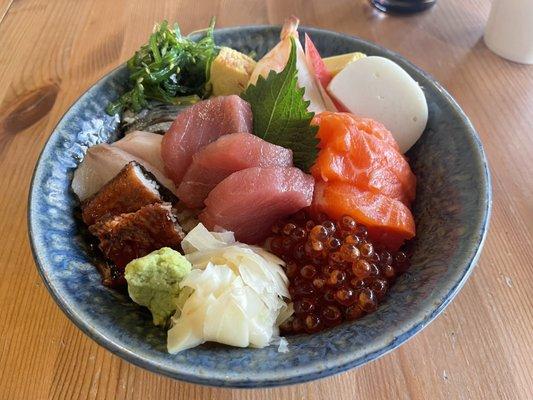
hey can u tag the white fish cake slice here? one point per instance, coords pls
(378, 88)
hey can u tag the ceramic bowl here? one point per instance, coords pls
(452, 211)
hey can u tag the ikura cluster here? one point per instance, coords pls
(336, 274)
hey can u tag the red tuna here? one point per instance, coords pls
(228, 154)
(198, 126)
(250, 201)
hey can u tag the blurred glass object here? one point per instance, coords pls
(403, 6)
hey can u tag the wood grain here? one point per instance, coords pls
(481, 347)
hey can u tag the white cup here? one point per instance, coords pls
(509, 30)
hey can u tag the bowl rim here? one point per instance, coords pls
(312, 371)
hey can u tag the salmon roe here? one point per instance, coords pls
(335, 273)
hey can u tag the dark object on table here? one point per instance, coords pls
(403, 6)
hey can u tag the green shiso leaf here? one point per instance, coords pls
(280, 113)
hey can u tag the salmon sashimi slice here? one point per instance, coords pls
(389, 221)
(219, 159)
(362, 152)
(250, 201)
(343, 121)
(198, 126)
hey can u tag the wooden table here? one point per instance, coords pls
(481, 347)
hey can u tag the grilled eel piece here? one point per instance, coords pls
(132, 188)
(128, 236)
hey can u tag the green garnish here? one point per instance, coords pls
(280, 113)
(170, 68)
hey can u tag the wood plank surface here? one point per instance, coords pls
(481, 347)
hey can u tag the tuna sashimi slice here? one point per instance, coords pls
(198, 126)
(145, 145)
(228, 154)
(250, 201)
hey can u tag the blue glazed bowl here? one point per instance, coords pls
(452, 212)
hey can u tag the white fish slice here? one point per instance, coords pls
(101, 163)
(145, 145)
